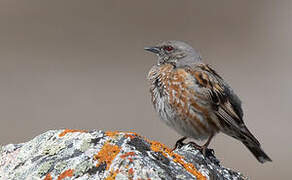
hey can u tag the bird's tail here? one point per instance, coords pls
(253, 145)
(257, 151)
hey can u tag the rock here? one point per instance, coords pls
(79, 154)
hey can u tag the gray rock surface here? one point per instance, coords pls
(78, 154)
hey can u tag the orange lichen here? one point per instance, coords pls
(189, 167)
(131, 171)
(112, 175)
(165, 151)
(112, 134)
(107, 154)
(131, 135)
(130, 174)
(158, 147)
(67, 173)
(70, 131)
(127, 154)
(48, 177)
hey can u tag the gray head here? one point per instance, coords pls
(177, 53)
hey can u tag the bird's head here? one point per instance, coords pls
(176, 53)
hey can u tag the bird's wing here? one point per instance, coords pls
(218, 92)
(226, 104)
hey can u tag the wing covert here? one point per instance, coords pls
(225, 102)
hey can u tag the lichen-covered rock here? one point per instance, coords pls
(78, 154)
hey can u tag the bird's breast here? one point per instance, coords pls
(174, 96)
(170, 85)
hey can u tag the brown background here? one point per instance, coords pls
(80, 64)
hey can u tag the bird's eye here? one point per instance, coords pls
(168, 48)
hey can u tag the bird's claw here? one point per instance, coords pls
(179, 143)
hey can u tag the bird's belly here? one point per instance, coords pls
(185, 126)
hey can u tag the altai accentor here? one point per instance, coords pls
(194, 100)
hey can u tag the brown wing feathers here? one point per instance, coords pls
(220, 95)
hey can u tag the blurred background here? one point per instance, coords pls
(81, 64)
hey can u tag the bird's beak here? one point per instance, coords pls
(155, 50)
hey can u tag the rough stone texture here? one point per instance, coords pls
(78, 154)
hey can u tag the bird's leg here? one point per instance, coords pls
(195, 145)
(205, 146)
(179, 143)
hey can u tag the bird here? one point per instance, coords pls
(194, 100)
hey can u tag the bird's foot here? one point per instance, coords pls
(207, 153)
(210, 154)
(179, 143)
(195, 145)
